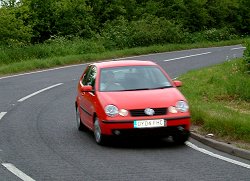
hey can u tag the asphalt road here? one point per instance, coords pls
(39, 139)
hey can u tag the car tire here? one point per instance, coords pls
(181, 138)
(99, 137)
(80, 125)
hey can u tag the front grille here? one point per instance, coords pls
(140, 112)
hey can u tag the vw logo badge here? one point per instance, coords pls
(149, 111)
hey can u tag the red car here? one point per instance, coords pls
(131, 98)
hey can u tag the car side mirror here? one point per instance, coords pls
(177, 83)
(87, 88)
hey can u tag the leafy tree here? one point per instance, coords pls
(192, 14)
(42, 18)
(117, 33)
(154, 30)
(243, 23)
(73, 18)
(13, 29)
(222, 12)
(109, 10)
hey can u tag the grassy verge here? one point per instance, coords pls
(219, 97)
(15, 60)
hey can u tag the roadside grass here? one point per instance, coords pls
(42, 56)
(219, 98)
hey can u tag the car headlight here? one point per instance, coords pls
(111, 110)
(182, 106)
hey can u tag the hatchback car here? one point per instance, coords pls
(131, 98)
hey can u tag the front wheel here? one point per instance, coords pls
(99, 137)
(80, 125)
(181, 138)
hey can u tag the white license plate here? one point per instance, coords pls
(149, 123)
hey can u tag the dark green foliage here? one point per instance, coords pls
(212, 35)
(122, 24)
(56, 47)
(74, 18)
(247, 57)
(243, 23)
(154, 30)
(149, 30)
(117, 33)
(13, 29)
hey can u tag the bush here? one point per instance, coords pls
(149, 30)
(117, 34)
(54, 47)
(13, 30)
(153, 30)
(212, 35)
(219, 34)
(247, 56)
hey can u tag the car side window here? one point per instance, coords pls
(84, 78)
(90, 76)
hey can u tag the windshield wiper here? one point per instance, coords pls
(137, 89)
(163, 87)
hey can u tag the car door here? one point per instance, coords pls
(88, 98)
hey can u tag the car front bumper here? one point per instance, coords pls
(126, 127)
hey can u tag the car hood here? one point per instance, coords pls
(141, 99)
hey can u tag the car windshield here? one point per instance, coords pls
(130, 78)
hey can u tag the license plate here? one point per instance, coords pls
(149, 123)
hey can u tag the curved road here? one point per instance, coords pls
(39, 139)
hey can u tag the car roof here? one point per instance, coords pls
(119, 63)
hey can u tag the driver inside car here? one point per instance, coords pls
(109, 82)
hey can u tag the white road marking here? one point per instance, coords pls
(217, 156)
(188, 56)
(37, 92)
(238, 48)
(17, 172)
(2, 114)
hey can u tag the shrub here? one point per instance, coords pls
(219, 34)
(153, 30)
(13, 30)
(117, 34)
(54, 47)
(247, 56)
(212, 35)
(149, 30)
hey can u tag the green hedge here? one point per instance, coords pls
(247, 56)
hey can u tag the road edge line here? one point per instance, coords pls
(232, 150)
(191, 145)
